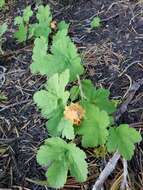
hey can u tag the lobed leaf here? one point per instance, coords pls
(66, 52)
(18, 20)
(27, 14)
(52, 150)
(63, 26)
(123, 139)
(62, 157)
(49, 99)
(63, 56)
(53, 123)
(94, 126)
(99, 97)
(21, 34)
(42, 28)
(46, 101)
(57, 174)
(44, 14)
(58, 126)
(77, 163)
(39, 57)
(65, 128)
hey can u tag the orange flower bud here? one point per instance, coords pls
(74, 112)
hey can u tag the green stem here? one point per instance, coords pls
(80, 88)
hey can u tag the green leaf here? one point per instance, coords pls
(58, 126)
(96, 22)
(18, 20)
(3, 29)
(31, 31)
(42, 28)
(52, 150)
(57, 174)
(52, 101)
(117, 102)
(94, 126)
(65, 127)
(64, 50)
(62, 157)
(21, 34)
(39, 30)
(53, 123)
(22, 22)
(99, 97)
(48, 100)
(44, 155)
(39, 57)
(56, 85)
(44, 15)
(63, 26)
(27, 14)
(123, 139)
(63, 56)
(2, 3)
(88, 89)
(77, 163)
(74, 93)
(56, 142)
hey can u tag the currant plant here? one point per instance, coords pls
(72, 112)
(23, 24)
(42, 27)
(96, 22)
(38, 29)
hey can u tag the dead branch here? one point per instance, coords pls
(106, 172)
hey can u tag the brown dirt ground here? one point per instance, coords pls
(113, 57)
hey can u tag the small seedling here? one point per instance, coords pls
(23, 23)
(96, 22)
(42, 27)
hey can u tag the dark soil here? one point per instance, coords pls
(113, 57)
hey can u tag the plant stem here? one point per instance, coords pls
(80, 87)
(124, 184)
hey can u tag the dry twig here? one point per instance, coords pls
(124, 184)
(106, 172)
